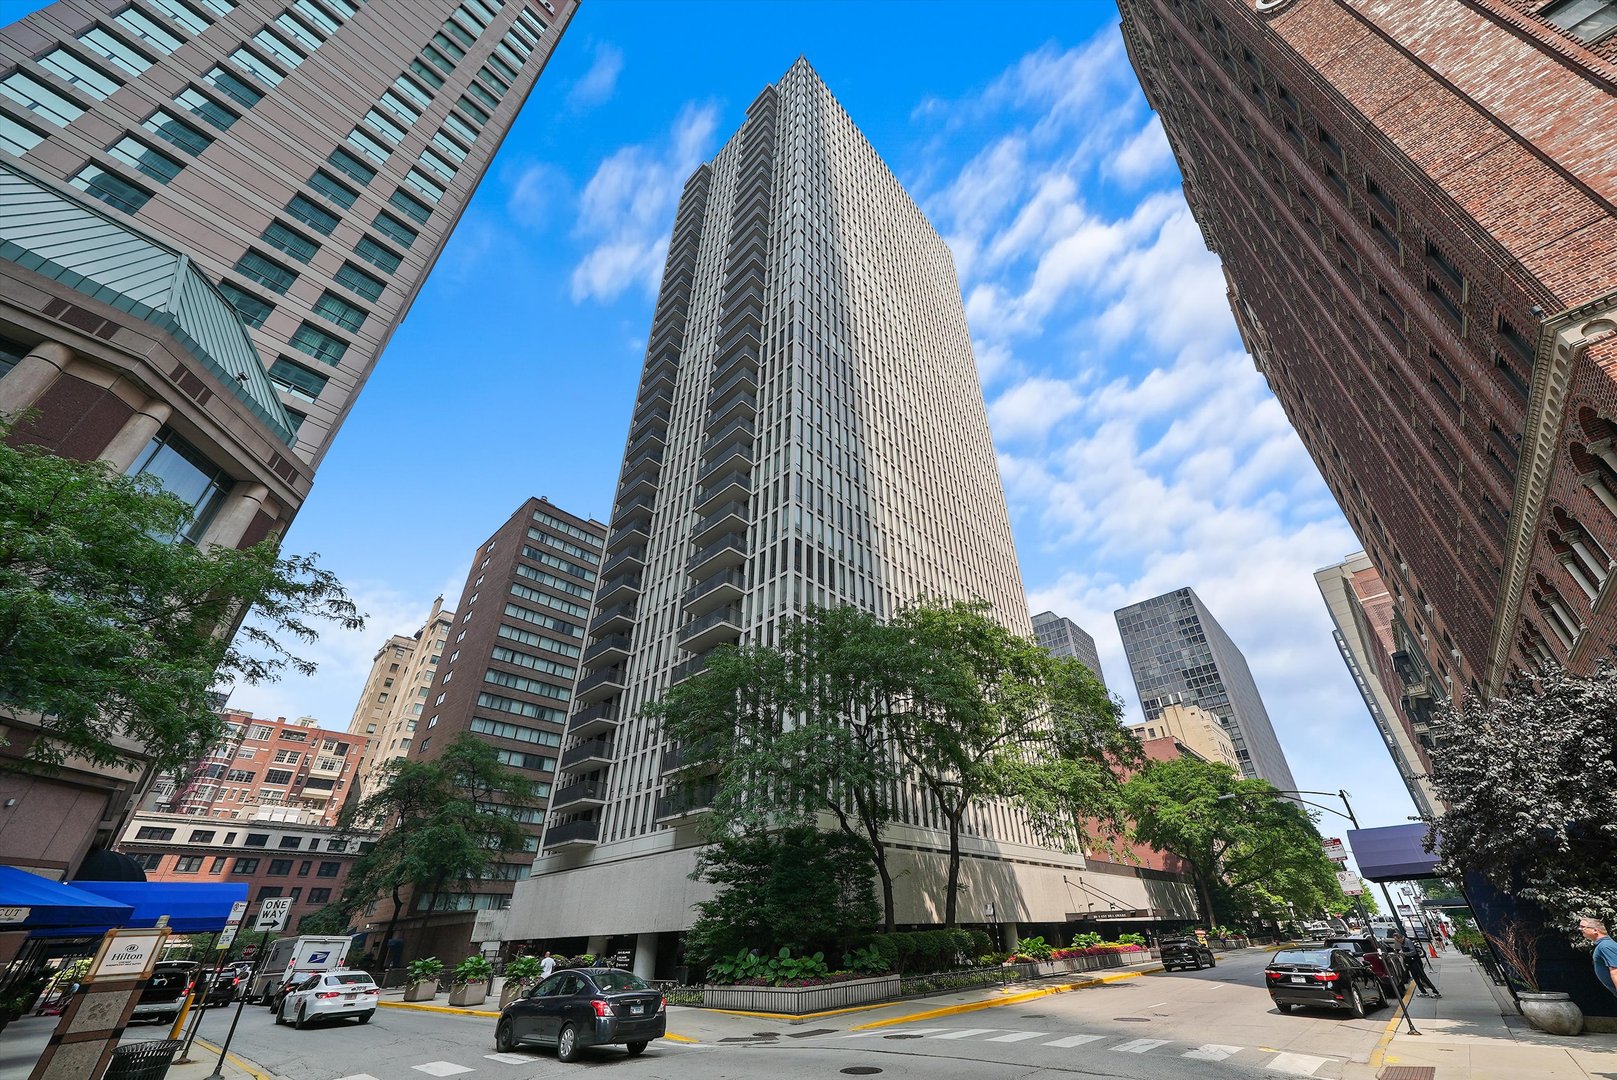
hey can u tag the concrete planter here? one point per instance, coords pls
(1551, 1012)
(797, 1000)
(421, 991)
(512, 990)
(469, 993)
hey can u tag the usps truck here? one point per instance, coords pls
(290, 959)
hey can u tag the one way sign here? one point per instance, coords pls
(272, 914)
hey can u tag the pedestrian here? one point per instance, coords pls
(1594, 931)
(547, 964)
(1415, 960)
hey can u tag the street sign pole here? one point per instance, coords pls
(272, 915)
(238, 911)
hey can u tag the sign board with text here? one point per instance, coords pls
(238, 912)
(1335, 850)
(1350, 882)
(126, 954)
(272, 914)
(14, 914)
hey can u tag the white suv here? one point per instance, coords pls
(334, 995)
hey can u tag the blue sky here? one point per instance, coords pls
(1139, 448)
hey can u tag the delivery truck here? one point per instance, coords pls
(290, 959)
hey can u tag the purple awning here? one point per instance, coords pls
(1392, 853)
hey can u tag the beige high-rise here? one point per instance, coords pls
(1194, 728)
(403, 674)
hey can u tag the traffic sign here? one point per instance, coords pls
(238, 911)
(1334, 850)
(272, 914)
(226, 937)
(1351, 885)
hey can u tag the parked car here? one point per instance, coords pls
(584, 1007)
(1381, 957)
(164, 994)
(1331, 978)
(1185, 952)
(329, 995)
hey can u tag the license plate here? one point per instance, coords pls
(636, 1010)
(1299, 978)
(350, 997)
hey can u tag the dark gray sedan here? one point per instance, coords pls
(584, 1007)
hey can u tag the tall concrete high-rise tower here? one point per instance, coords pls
(809, 429)
(1179, 653)
(1063, 637)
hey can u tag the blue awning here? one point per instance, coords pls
(192, 907)
(1392, 853)
(50, 904)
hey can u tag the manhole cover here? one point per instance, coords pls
(766, 1034)
(901, 1036)
(1408, 1072)
(861, 1070)
(1132, 1019)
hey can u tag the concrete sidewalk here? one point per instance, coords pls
(1473, 1032)
(24, 1040)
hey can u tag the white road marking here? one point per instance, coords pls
(1211, 1052)
(1017, 1036)
(1075, 1040)
(1140, 1046)
(358, 1076)
(964, 1033)
(881, 1033)
(510, 1059)
(1296, 1064)
(442, 1068)
(1158, 1003)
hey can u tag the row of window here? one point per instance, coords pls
(206, 836)
(192, 864)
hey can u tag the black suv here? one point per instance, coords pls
(1185, 952)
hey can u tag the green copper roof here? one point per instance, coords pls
(68, 240)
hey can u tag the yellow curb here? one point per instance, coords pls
(678, 1038)
(803, 1016)
(1379, 1054)
(245, 1066)
(1014, 999)
(453, 1010)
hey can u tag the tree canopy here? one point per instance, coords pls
(116, 632)
(1527, 779)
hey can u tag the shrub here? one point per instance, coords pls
(1034, 948)
(979, 942)
(426, 969)
(474, 968)
(1080, 941)
(1131, 939)
(524, 970)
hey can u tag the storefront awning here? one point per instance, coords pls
(192, 907)
(1392, 853)
(30, 902)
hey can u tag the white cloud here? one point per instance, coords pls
(596, 85)
(628, 205)
(1032, 407)
(538, 194)
(1143, 156)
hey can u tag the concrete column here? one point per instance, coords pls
(645, 956)
(125, 448)
(23, 384)
(235, 515)
(1596, 568)
(1008, 937)
(1595, 483)
(1574, 567)
(1604, 452)
(596, 946)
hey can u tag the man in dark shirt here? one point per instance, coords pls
(1594, 930)
(1415, 961)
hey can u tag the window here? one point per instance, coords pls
(268, 892)
(188, 864)
(288, 757)
(110, 189)
(256, 66)
(280, 867)
(297, 380)
(157, 165)
(409, 89)
(411, 206)
(292, 843)
(35, 96)
(17, 139)
(116, 50)
(193, 21)
(472, 110)
(316, 217)
(201, 836)
(400, 108)
(450, 48)
(288, 54)
(369, 145)
(385, 127)
(265, 271)
(253, 311)
(333, 189)
(280, 777)
(336, 309)
(349, 164)
(495, 83)
(245, 866)
(328, 869)
(173, 130)
(256, 839)
(460, 127)
(234, 88)
(421, 183)
(358, 281)
(144, 27)
(429, 76)
(502, 67)
(1586, 20)
(436, 164)
(376, 254)
(151, 832)
(67, 66)
(315, 15)
(298, 32)
(477, 91)
(295, 244)
(218, 864)
(319, 344)
(460, 33)
(319, 896)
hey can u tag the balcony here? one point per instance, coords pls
(741, 425)
(684, 804)
(731, 517)
(585, 793)
(734, 454)
(723, 624)
(743, 406)
(629, 534)
(725, 587)
(677, 758)
(733, 485)
(619, 588)
(586, 832)
(616, 617)
(627, 508)
(591, 752)
(623, 560)
(694, 666)
(601, 719)
(599, 686)
(743, 357)
(612, 647)
(743, 380)
(646, 463)
(726, 552)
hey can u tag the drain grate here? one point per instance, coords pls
(1035, 1016)
(766, 1034)
(901, 1036)
(1132, 1019)
(860, 1070)
(1408, 1072)
(811, 1031)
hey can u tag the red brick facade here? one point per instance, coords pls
(1414, 203)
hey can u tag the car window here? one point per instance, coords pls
(612, 982)
(352, 978)
(571, 985)
(1316, 957)
(551, 986)
(310, 983)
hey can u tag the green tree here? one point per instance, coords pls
(1527, 778)
(779, 735)
(982, 714)
(115, 632)
(1247, 849)
(796, 888)
(445, 823)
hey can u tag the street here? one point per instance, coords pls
(1216, 1023)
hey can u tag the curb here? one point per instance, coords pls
(793, 1017)
(453, 1010)
(241, 1063)
(1014, 999)
(1378, 1056)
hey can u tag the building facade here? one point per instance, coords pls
(1179, 654)
(376, 699)
(1193, 728)
(400, 682)
(214, 214)
(1416, 209)
(1381, 654)
(306, 862)
(507, 677)
(808, 430)
(1063, 637)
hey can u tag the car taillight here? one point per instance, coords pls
(662, 1004)
(601, 1008)
(329, 994)
(374, 990)
(1327, 976)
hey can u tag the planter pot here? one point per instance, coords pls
(512, 990)
(1551, 1012)
(421, 991)
(469, 993)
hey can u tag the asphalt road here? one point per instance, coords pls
(1216, 1024)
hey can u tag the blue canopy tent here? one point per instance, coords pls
(192, 907)
(54, 907)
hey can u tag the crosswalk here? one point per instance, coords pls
(1281, 1063)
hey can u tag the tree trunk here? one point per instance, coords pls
(387, 936)
(878, 855)
(1206, 899)
(952, 896)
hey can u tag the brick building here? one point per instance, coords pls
(1416, 208)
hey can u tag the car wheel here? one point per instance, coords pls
(300, 1021)
(280, 1016)
(1284, 1008)
(1212, 961)
(1355, 1003)
(503, 1043)
(567, 1044)
(637, 1048)
(365, 1017)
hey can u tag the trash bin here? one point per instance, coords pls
(142, 1060)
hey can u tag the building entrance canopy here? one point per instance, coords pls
(1392, 853)
(30, 902)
